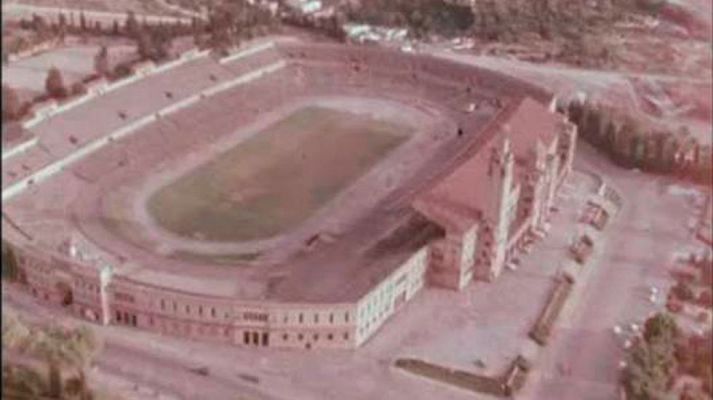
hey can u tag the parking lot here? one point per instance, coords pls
(641, 246)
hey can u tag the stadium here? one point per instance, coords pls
(289, 195)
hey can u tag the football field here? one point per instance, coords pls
(277, 178)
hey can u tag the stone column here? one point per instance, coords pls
(105, 275)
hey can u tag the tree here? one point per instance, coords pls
(101, 62)
(62, 20)
(195, 25)
(607, 121)
(53, 354)
(622, 148)
(637, 149)
(82, 22)
(84, 346)
(20, 382)
(661, 327)
(15, 335)
(648, 370)
(121, 70)
(707, 273)
(10, 269)
(54, 84)
(62, 27)
(65, 350)
(40, 26)
(176, 29)
(198, 40)
(708, 381)
(153, 45)
(131, 26)
(78, 88)
(72, 349)
(575, 111)
(593, 121)
(11, 105)
(25, 24)
(683, 291)
(221, 35)
(652, 359)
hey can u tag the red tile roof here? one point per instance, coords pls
(451, 216)
(531, 122)
(469, 186)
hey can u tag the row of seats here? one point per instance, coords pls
(214, 117)
(373, 58)
(173, 136)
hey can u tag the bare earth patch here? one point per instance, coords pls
(74, 61)
(276, 179)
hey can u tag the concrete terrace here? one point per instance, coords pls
(68, 133)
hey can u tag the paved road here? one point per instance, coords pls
(178, 9)
(576, 74)
(152, 369)
(581, 363)
(14, 11)
(170, 376)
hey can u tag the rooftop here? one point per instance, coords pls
(524, 123)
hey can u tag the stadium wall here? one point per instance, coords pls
(85, 290)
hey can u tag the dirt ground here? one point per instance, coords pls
(252, 191)
(665, 100)
(74, 60)
(661, 71)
